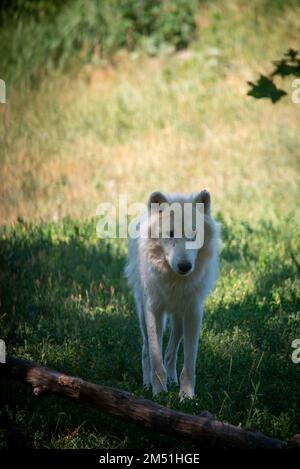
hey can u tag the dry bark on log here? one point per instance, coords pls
(143, 412)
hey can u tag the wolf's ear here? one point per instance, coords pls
(157, 198)
(203, 197)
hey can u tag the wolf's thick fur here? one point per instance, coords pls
(161, 288)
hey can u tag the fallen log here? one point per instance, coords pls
(143, 412)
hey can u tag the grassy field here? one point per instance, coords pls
(173, 121)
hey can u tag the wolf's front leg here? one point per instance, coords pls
(172, 349)
(155, 322)
(145, 349)
(192, 323)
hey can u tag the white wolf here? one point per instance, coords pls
(168, 278)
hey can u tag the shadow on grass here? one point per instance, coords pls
(251, 338)
(265, 87)
(65, 303)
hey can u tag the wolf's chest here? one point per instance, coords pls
(177, 296)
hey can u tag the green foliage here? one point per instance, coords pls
(50, 35)
(171, 22)
(65, 303)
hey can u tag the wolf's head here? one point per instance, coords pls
(178, 227)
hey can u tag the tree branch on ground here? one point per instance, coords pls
(143, 412)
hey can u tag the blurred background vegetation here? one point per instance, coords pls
(125, 97)
(101, 93)
(63, 32)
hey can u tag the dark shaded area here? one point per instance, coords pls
(69, 300)
(127, 407)
(65, 304)
(11, 434)
(265, 87)
(288, 65)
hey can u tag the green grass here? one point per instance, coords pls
(81, 127)
(65, 303)
(77, 139)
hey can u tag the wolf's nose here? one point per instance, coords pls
(184, 267)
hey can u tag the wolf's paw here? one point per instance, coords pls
(146, 386)
(146, 380)
(158, 388)
(170, 365)
(187, 386)
(186, 393)
(159, 382)
(172, 378)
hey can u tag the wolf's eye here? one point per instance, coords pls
(171, 234)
